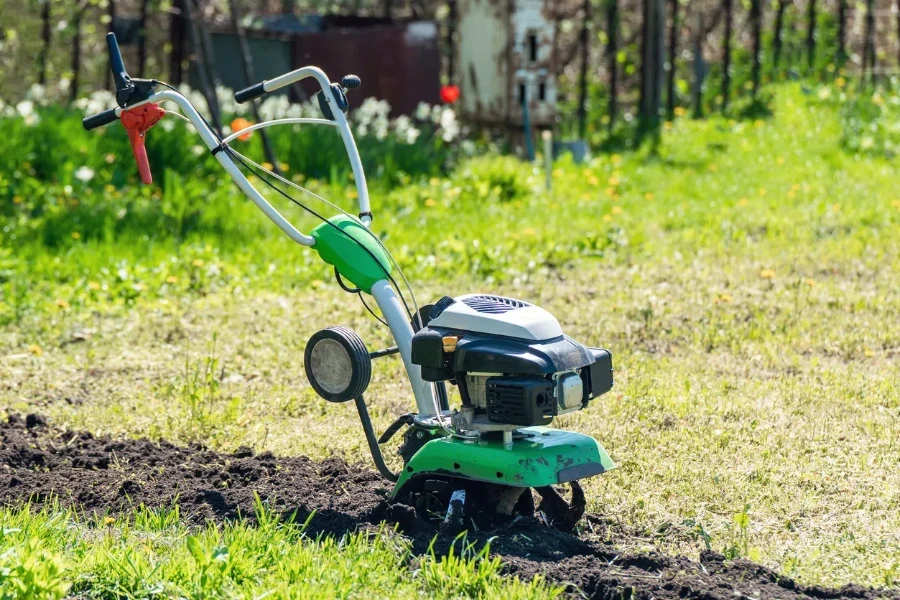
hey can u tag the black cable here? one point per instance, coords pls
(250, 168)
(372, 312)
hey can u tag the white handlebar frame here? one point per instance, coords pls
(383, 293)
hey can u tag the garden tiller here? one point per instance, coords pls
(514, 367)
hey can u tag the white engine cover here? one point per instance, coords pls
(497, 315)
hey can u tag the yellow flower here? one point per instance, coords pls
(528, 231)
(767, 274)
(896, 204)
(810, 282)
(17, 199)
(109, 188)
(780, 160)
(109, 520)
(836, 207)
(613, 180)
(840, 81)
(869, 352)
(723, 298)
(76, 235)
(762, 191)
(713, 167)
(434, 182)
(197, 262)
(743, 202)
(171, 279)
(267, 166)
(877, 100)
(667, 125)
(680, 111)
(284, 167)
(616, 210)
(430, 202)
(648, 196)
(93, 285)
(35, 349)
(607, 218)
(352, 194)
(62, 304)
(110, 158)
(758, 123)
(592, 180)
(615, 159)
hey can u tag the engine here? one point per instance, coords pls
(511, 361)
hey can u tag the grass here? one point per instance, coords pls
(744, 278)
(149, 553)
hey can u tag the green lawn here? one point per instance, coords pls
(745, 279)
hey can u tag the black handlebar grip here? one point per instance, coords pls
(100, 119)
(250, 93)
(116, 64)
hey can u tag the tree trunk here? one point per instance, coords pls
(756, 27)
(201, 66)
(585, 64)
(250, 76)
(45, 38)
(142, 38)
(110, 28)
(612, 52)
(673, 55)
(778, 36)
(726, 54)
(652, 58)
(811, 35)
(176, 39)
(387, 8)
(898, 30)
(76, 52)
(842, 33)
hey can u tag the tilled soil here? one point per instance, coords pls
(102, 475)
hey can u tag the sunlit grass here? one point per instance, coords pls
(744, 278)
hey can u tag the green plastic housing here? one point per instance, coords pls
(351, 248)
(546, 457)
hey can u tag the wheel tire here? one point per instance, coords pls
(337, 364)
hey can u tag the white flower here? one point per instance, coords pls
(36, 93)
(197, 150)
(84, 174)
(423, 111)
(449, 125)
(25, 108)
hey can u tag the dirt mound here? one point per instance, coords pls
(107, 476)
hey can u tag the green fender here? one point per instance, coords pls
(546, 457)
(353, 250)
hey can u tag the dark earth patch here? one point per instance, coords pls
(103, 475)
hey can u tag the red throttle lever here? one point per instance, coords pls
(137, 121)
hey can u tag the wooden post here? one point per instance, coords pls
(756, 26)
(811, 35)
(250, 76)
(110, 28)
(612, 34)
(700, 67)
(585, 64)
(869, 43)
(142, 38)
(652, 57)
(76, 49)
(176, 39)
(452, 18)
(778, 36)
(841, 57)
(726, 54)
(201, 65)
(673, 55)
(45, 39)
